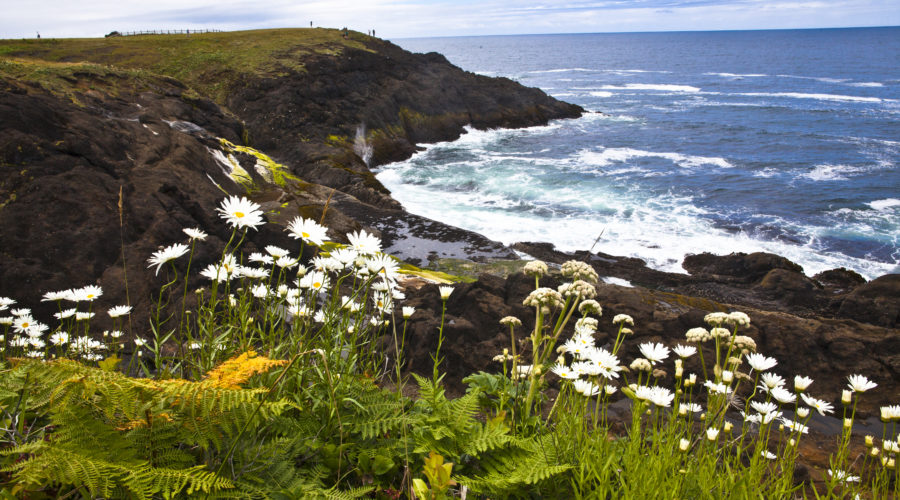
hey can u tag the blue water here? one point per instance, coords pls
(781, 141)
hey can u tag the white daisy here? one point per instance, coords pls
(195, 233)
(654, 352)
(260, 258)
(54, 296)
(859, 383)
(118, 311)
(88, 293)
(240, 212)
(307, 230)
(684, 351)
(364, 243)
(760, 363)
(564, 372)
(171, 252)
(819, 405)
(801, 382)
(276, 252)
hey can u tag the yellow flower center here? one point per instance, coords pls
(239, 214)
(90, 295)
(25, 324)
(317, 284)
(304, 234)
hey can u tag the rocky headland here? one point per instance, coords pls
(108, 148)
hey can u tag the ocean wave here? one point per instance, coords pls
(888, 203)
(601, 93)
(816, 78)
(618, 155)
(666, 87)
(560, 70)
(821, 97)
(737, 75)
(828, 172)
(659, 230)
(766, 173)
(866, 84)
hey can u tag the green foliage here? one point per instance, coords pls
(209, 62)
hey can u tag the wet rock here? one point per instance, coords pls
(738, 267)
(839, 281)
(876, 302)
(791, 287)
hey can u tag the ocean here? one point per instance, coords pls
(784, 141)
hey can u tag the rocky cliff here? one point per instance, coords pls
(108, 148)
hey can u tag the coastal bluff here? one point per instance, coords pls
(110, 147)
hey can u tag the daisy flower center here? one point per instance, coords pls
(239, 214)
(317, 284)
(304, 234)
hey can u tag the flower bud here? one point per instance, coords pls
(848, 423)
(727, 427)
(678, 371)
(846, 397)
(684, 444)
(802, 412)
(792, 443)
(727, 376)
(870, 441)
(874, 452)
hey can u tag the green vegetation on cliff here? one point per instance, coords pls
(208, 62)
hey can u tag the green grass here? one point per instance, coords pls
(209, 62)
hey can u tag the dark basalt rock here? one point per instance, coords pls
(876, 302)
(827, 350)
(738, 267)
(65, 155)
(402, 99)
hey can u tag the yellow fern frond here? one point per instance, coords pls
(234, 372)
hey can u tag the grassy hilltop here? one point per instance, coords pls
(210, 63)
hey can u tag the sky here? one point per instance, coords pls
(394, 19)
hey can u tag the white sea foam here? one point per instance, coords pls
(612, 280)
(617, 155)
(821, 97)
(601, 93)
(766, 173)
(665, 87)
(889, 203)
(626, 71)
(560, 70)
(828, 172)
(816, 78)
(866, 84)
(660, 231)
(737, 75)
